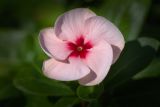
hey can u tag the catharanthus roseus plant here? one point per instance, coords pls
(82, 46)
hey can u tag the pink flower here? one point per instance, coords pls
(82, 47)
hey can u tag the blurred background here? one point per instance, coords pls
(133, 81)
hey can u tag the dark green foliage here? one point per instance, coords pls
(134, 58)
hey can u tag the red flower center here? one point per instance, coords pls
(79, 48)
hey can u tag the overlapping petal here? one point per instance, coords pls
(99, 61)
(71, 24)
(53, 46)
(99, 28)
(73, 70)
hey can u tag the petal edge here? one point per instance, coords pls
(99, 60)
(65, 71)
(53, 46)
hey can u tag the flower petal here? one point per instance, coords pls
(65, 71)
(99, 60)
(98, 27)
(53, 46)
(71, 24)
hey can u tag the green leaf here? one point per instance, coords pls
(32, 82)
(153, 70)
(66, 102)
(89, 93)
(128, 15)
(38, 101)
(7, 90)
(95, 104)
(133, 59)
(144, 41)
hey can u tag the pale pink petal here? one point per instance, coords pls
(73, 70)
(71, 24)
(53, 46)
(99, 60)
(58, 24)
(98, 28)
